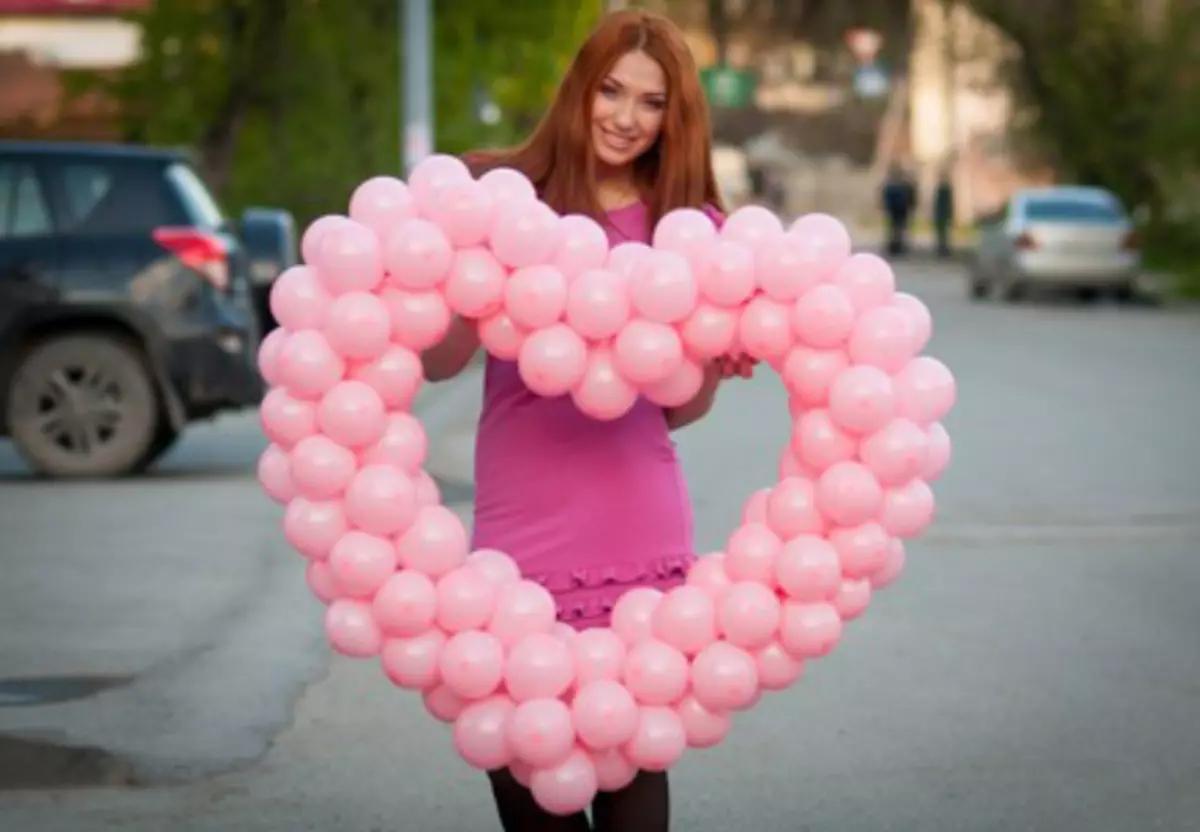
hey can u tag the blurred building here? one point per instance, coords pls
(42, 44)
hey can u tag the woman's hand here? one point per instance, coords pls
(735, 366)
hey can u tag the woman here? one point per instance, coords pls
(588, 508)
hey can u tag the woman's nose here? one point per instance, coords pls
(623, 117)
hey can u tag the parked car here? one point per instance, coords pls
(1071, 237)
(126, 308)
(269, 237)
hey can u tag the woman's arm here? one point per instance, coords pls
(447, 359)
(701, 403)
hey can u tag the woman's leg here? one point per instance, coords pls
(519, 812)
(642, 806)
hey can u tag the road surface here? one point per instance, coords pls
(1036, 668)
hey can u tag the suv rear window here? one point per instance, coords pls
(102, 196)
(202, 209)
(1073, 210)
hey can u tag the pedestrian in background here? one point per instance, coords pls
(899, 197)
(943, 211)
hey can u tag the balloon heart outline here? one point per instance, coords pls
(571, 713)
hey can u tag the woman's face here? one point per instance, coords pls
(627, 114)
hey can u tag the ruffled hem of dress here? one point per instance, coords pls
(599, 588)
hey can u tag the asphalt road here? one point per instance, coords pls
(1037, 668)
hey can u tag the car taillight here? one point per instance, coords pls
(1131, 242)
(199, 251)
(1026, 242)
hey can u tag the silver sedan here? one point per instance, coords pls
(1072, 237)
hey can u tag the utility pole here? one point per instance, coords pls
(416, 50)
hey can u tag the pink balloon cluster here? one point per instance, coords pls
(572, 712)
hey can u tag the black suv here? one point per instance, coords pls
(126, 306)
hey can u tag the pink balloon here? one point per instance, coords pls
(777, 669)
(310, 241)
(522, 772)
(321, 582)
(299, 300)
(625, 256)
(925, 388)
(792, 263)
(474, 287)
(536, 296)
(708, 573)
(765, 330)
(632, 614)
(352, 414)
(749, 614)
(381, 499)
(358, 326)
(685, 231)
(435, 543)
(443, 704)
(417, 255)
(848, 493)
(525, 234)
(582, 245)
(659, 740)
(308, 365)
(428, 493)
(605, 714)
(662, 287)
(862, 550)
(727, 277)
(867, 280)
(751, 552)
(823, 317)
(862, 399)
(351, 629)
(892, 567)
(826, 243)
(361, 563)
(465, 600)
(808, 569)
(553, 360)
(646, 352)
(655, 672)
(819, 442)
(937, 454)
(791, 508)
(481, 733)
(598, 654)
(382, 202)
(755, 508)
(405, 605)
(275, 474)
(419, 319)
(613, 770)
(395, 375)
(603, 393)
(539, 666)
(883, 337)
(918, 317)
(710, 331)
(702, 727)
(541, 733)
(679, 388)
(348, 258)
(501, 336)
(522, 609)
(809, 631)
(472, 664)
(495, 566)
(321, 468)
(566, 788)
(907, 509)
(465, 212)
(414, 663)
(809, 373)
(896, 452)
(402, 444)
(751, 225)
(724, 677)
(313, 526)
(852, 599)
(598, 304)
(432, 175)
(686, 619)
(508, 186)
(268, 356)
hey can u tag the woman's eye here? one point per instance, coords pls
(609, 92)
(656, 104)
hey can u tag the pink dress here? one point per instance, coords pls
(589, 509)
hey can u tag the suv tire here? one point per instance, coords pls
(83, 405)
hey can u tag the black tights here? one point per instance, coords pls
(642, 806)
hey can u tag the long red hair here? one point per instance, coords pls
(676, 172)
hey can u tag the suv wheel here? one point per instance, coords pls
(83, 406)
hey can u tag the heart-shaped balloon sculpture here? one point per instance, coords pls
(571, 712)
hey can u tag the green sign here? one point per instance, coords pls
(728, 87)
